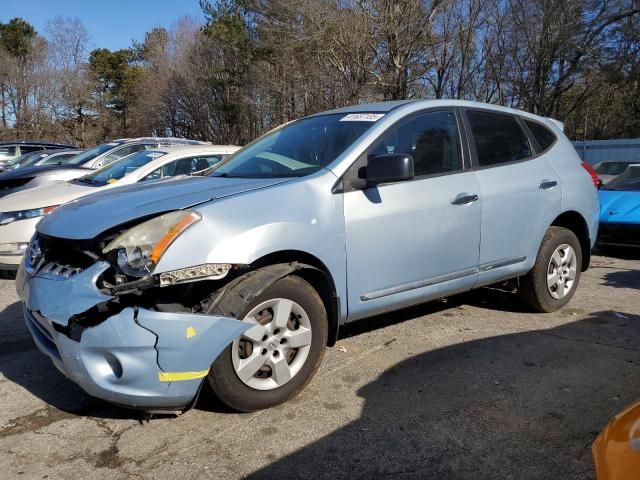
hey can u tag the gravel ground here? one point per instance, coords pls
(470, 387)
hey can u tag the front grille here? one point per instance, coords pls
(56, 271)
(619, 233)
(67, 257)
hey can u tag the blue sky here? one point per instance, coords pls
(112, 24)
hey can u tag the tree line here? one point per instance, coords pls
(247, 66)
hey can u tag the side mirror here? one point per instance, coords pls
(395, 167)
(600, 183)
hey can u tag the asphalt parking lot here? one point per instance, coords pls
(471, 387)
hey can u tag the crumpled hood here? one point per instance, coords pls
(91, 215)
(26, 172)
(619, 206)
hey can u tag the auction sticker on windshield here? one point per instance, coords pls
(362, 117)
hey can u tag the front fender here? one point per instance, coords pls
(302, 215)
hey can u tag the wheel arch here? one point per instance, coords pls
(235, 295)
(575, 222)
(314, 271)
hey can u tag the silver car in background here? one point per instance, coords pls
(21, 211)
(35, 176)
(243, 277)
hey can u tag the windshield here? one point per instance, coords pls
(26, 159)
(118, 169)
(628, 181)
(298, 149)
(58, 159)
(92, 153)
(611, 168)
(33, 159)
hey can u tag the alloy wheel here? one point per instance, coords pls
(561, 272)
(275, 348)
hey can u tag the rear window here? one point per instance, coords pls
(498, 138)
(542, 134)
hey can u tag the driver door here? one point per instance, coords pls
(416, 240)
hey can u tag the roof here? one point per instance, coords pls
(617, 143)
(620, 161)
(207, 148)
(385, 107)
(161, 140)
(28, 142)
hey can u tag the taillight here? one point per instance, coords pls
(592, 172)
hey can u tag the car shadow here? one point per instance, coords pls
(22, 363)
(623, 279)
(524, 405)
(622, 253)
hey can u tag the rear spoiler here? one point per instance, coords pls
(558, 123)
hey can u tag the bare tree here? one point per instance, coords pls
(68, 52)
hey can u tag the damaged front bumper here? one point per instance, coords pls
(137, 357)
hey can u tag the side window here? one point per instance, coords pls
(29, 148)
(184, 166)
(498, 138)
(204, 162)
(7, 152)
(542, 134)
(123, 152)
(431, 139)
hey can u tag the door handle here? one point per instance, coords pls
(464, 199)
(547, 184)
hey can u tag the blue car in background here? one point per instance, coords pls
(620, 210)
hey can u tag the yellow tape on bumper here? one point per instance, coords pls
(178, 376)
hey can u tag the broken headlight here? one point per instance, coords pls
(139, 249)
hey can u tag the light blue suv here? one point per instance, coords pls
(243, 277)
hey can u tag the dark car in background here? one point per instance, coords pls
(44, 157)
(15, 149)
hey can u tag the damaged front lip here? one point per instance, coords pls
(135, 357)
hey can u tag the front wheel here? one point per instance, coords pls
(555, 276)
(275, 358)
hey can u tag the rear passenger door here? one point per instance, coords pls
(415, 240)
(521, 193)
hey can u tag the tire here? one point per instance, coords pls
(265, 388)
(537, 288)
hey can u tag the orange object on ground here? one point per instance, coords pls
(616, 450)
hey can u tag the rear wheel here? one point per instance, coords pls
(555, 276)
(279, 354)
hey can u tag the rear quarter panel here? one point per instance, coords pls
(578, 192)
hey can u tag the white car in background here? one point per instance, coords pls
(21, 211)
